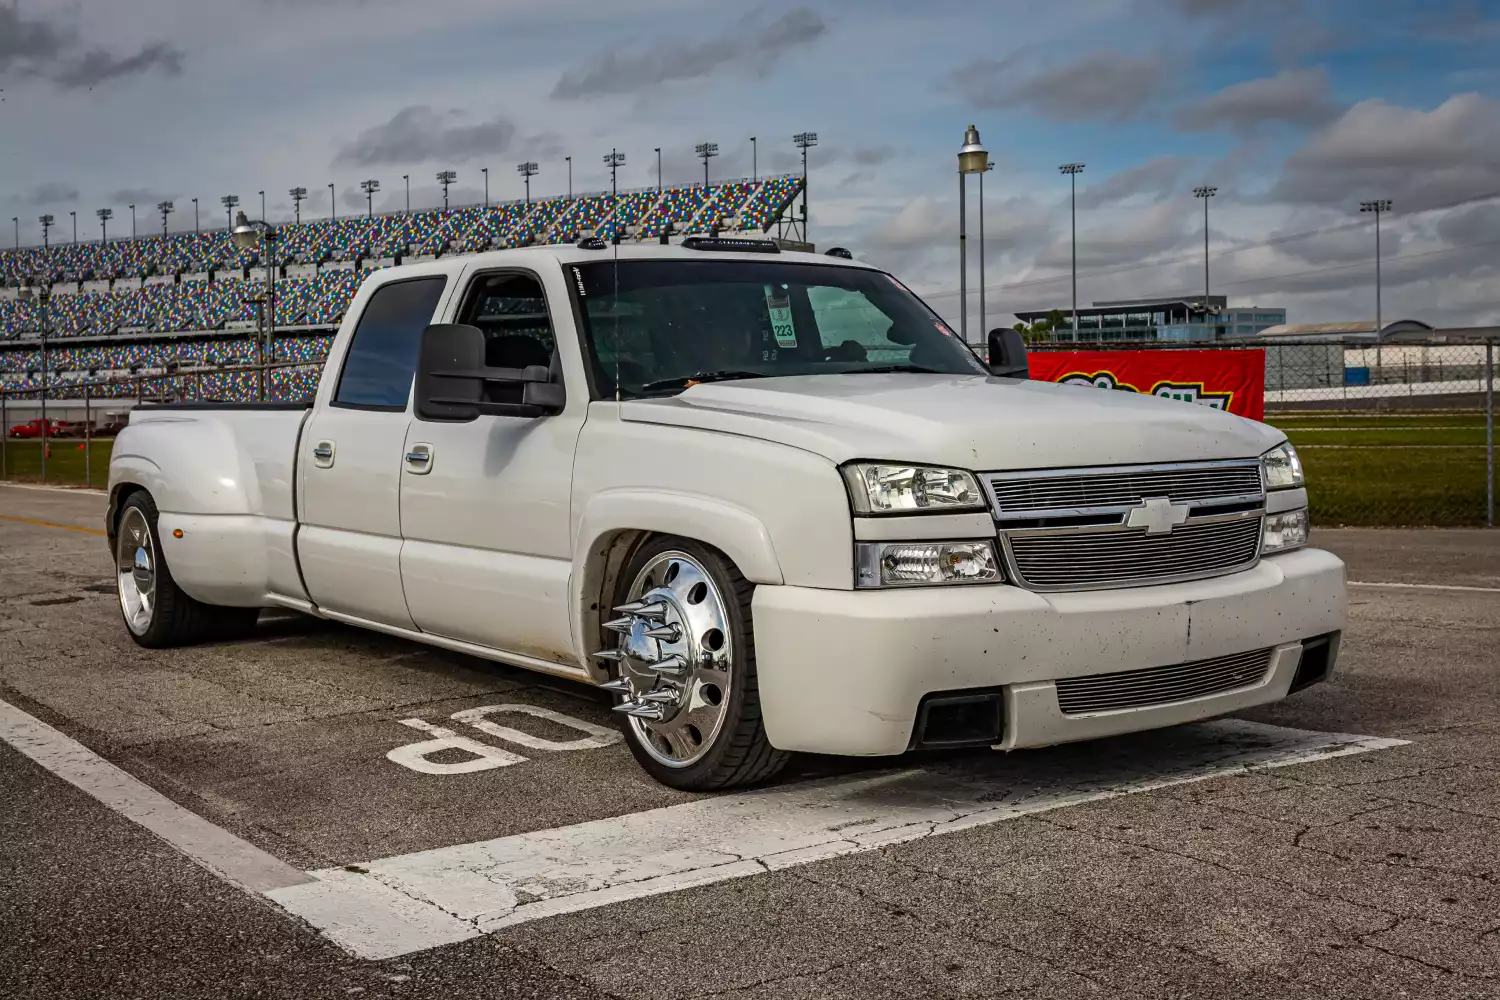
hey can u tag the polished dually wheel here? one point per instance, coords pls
(674, 659)
(135, 562)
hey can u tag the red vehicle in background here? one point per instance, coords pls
(33, 429)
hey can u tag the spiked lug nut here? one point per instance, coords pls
(656, 611)
(661, 698)
(673, 666)
(620, 625)
(617, 686)
(614, 655)
(638, 710)
(631, 608)
(670, 632)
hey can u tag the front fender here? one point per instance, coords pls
(736, 532)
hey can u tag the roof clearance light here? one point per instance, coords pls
(729, 244)
(592, 243)
(839, 252)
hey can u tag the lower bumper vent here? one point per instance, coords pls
(1161, 685)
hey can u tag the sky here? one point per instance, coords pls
(1295, 110)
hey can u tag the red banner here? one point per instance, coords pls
(1226, 380)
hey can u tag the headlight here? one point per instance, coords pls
(895, 489)
(1281, 467)
(916, 564)
(1287, 530)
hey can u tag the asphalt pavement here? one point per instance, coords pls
(1174, 864)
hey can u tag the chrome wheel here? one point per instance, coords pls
(674, 658)
(135, 564)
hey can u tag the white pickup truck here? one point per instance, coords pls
(767, 499)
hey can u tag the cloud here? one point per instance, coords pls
(1470, 224)
(36, 48)
(1098, 85)
(749, 45)
(420, 133)
(1157, 176)
(872, 156)
(1421, 159)
(139, 196)
(50, 193)
(1228, 8)
(1293, 97)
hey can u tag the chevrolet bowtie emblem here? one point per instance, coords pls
(1158, 515)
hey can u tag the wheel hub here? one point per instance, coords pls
(136, 571)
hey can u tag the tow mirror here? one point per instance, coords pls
(1008, 354)
(454, 384)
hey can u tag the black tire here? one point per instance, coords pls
(740, 755)
(175, 618)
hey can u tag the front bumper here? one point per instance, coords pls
(843, 672)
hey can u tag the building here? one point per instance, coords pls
(1164, 319)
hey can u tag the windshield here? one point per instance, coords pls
(675, 321)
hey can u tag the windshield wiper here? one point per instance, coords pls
(681, 381)
(884, 369)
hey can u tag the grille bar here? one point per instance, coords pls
(1161, 685)
(1124, 487)
(1103, 558)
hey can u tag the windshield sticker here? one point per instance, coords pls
(779, 310)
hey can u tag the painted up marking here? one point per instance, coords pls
(51, 524)
(221, 852)
(418, 756)
(1427, 586)
(398, 905)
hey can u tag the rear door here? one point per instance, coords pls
(349, 542)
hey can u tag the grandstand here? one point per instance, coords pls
(179, 303)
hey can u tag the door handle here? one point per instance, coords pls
(419, 459)
(323, 454)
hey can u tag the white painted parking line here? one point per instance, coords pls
(216, 849)
(52, 489)
(399, 905)
(1427, 586)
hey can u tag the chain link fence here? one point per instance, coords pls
(1399, 435)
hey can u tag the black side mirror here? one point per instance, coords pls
(454, 384)
(1008, 354)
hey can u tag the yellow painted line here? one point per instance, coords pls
(50, 524)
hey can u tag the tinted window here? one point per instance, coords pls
(382, 358)
(660, 324)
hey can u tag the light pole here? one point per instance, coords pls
(369, 187)
(658, 170)
(333, 205)
(983, 320)
(754, 160)
(406, 178)
(74, 214)
(34, 289)
(486, 172)
(570, 177)
(132, 222)
(527, 170)
(1205, 191)
(105, 214)
(166, 208)
(973, 158)
(614, 159)
(706, 151)
(262, 203)
(1073, 170)
(805, 141)
(229, 201)
(1379, 206)
(299, 194)
(245, 235)
(17, 220)
(446, 177)
(195, 216)
(46, 221)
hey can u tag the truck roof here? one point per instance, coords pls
(568, 253)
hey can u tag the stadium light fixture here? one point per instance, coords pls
(195, 215)
(805, 141)
(445, 178)
(46, 221)
(299, 194)
(105, 214)
(658, 170)
(166, 208)
(754, 160)
(707, 151)
(229, 201)
(486, 172)
(614, 160)
(333, 204)
(1205, 192)
(527, 170)
(1379, 206)
(369, 187)
(132, 222)
(972, 159)
(570, 177)
(17, 220)
(407, 179)
(74, 214)
(1073, 170)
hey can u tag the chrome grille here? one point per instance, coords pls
(1118, 557)
(1161, 685)
(1124, 487)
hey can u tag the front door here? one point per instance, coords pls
(349, 541)
(484, 504)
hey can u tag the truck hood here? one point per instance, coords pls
(963, 421)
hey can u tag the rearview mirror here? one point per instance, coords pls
(1008, 354)
(454, 384)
